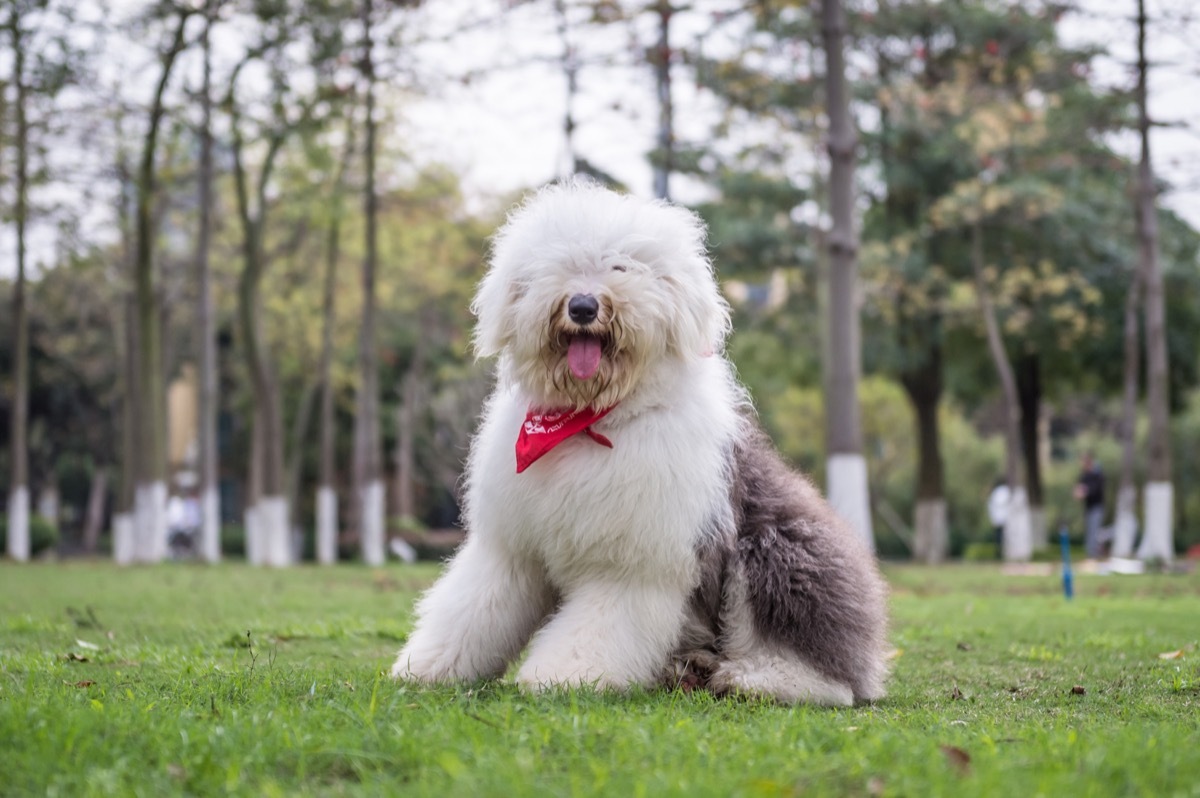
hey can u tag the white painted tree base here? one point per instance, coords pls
(124, 548)
(1039, 535)
(1018, 537)
(150, 522)
(326, 544)
(931, 539)
(1159, 511)
(210, 525)
(18, 547)
(846, 475)
(1125, 525)
(253, 539)
(371, 523)
(275, 535)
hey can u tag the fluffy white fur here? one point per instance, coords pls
(588, 558)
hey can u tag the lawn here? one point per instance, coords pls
(185, 679)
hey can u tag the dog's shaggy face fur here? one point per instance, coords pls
(644, 263)
(688, 553)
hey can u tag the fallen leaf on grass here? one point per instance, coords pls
(1171, 654)
(1079, 689)
(85, 683)
(964, 646)
(956, 694)
(957, 757)
(73, 657)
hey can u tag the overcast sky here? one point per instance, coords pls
(505, 131)
(492, 100)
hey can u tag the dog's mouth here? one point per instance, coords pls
(584, 353)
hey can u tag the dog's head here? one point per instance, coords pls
(588, 290)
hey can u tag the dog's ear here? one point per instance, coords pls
(702, 318)
(493, 306)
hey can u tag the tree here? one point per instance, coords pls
(1125, 521)
(1157, 541)
(210, 507)
(150, 491)
(368, 449)
(1018, 541)
(44, 62)
(846, 469)
(660, 61)
(297, 46)
(18, 496)
(327, 503)
(267, 512)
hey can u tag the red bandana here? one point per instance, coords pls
(542, 431)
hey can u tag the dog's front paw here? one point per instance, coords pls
(540, 677)
(422, 664)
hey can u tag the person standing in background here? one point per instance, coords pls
(997, 509)
(1090, 490)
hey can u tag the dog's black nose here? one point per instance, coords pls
(583, 308)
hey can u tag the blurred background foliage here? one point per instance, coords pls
(969, 111)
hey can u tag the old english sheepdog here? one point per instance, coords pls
(628, 522)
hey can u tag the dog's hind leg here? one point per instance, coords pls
(476, 619)
(751, 665)
(608, 634)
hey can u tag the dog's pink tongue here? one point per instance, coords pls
(583, 356)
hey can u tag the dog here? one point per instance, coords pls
(647, 532)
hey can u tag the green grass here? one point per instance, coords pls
(233, 680)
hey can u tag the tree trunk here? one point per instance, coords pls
(923, 384)
(125, 333)
(570, 68)
(93, 520)
(295, 461)
(253, 494)
(273, 544)
(1126, 523)
(124, 533)
(150, 493)
(847, 469)
(327, 515)
(405, 458)
(665, 142)
(327, 497)
(1017, 537)
(1029, 393)
(267, 532)
(327, 518)
(368, 449)
(210, 502)
(1158, 540)
(18, 546)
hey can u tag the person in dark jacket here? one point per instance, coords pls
(1090, 491)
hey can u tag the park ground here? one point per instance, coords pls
(181, 679)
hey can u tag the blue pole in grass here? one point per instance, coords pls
(1068, 582)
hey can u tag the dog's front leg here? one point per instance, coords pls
(608, 634)
(476, 618)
